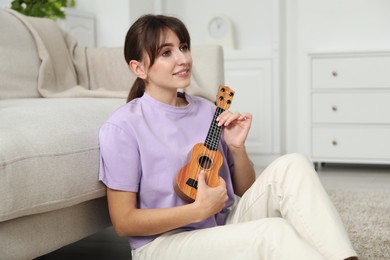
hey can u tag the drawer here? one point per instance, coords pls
(351, 142)
(334, 72)
(351, 108)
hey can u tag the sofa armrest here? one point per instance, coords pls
(208, 67)
(107, 69)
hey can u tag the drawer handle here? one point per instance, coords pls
(334, 108)
(334, 142)
(334, 73)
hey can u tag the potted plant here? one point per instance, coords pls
(52, 9)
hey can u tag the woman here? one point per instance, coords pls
(284, 214)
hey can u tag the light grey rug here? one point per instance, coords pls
(366, 215)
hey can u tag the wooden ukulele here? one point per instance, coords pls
(204, 156)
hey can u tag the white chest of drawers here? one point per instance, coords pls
(350, 107)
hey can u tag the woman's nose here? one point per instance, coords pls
(183, 57)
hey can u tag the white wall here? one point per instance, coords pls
(323, 26)
(112, 20)
(5, 3)
(252, 20)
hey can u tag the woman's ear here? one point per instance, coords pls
(138, 69)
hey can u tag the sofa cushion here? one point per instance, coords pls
(49, 154)
(19, 61)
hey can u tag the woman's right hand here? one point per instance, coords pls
(210, 200)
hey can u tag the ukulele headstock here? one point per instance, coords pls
(224, 97)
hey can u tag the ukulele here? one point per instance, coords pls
(204, 156)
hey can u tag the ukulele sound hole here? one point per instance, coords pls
(205, 162)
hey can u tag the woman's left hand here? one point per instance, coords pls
(235, 127)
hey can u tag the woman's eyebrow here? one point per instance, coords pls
(166, 45)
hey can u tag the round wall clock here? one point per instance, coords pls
(220, 31)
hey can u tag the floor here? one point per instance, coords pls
(103, 245)
(106, 245)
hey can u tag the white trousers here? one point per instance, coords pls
(286, 214)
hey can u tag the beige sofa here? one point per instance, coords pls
(54, 95)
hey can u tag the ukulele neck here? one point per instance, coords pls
(214, 134)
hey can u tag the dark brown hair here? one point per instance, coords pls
(146, 36)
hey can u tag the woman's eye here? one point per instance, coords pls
(166, 53)
(184, 47)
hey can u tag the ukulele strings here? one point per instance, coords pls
(216, 139)
(210, 153)
(216, 134)
(205, 152)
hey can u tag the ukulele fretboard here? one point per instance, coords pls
(214, 134)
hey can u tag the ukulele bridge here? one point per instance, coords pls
(192, 183)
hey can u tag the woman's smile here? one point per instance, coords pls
(185, 73)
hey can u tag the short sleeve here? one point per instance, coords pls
(119, 159)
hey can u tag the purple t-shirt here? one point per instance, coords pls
(145, 143)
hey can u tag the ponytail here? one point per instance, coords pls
(137, 90)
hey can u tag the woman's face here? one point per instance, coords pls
(172, 67)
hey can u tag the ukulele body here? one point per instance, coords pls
(202, 158)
